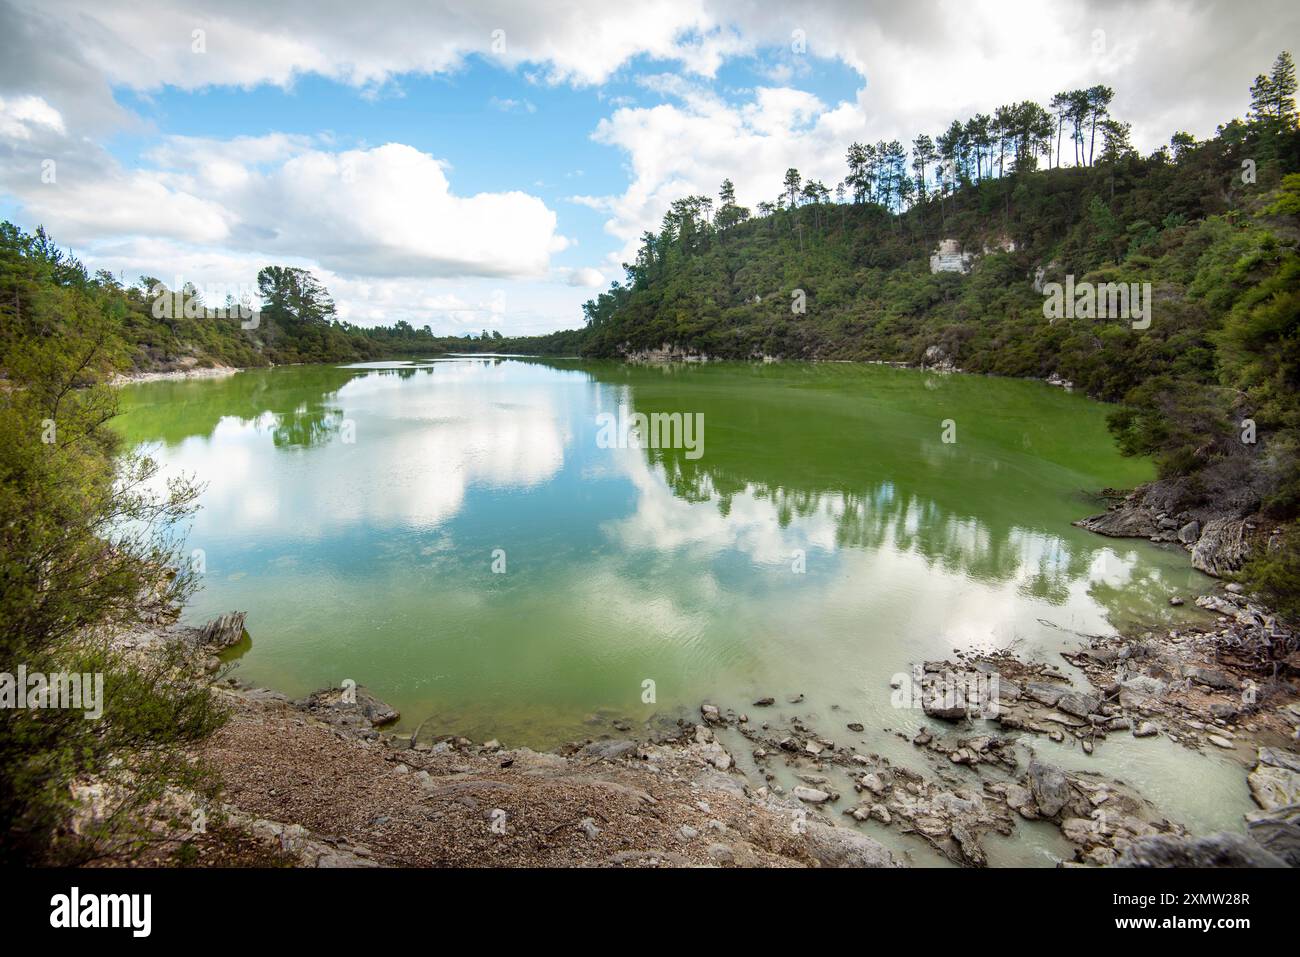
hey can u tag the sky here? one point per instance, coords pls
(490, 165)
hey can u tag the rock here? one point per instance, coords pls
(1101, 856)
(1127, 521)
(1235, 587)
(1019, 799)
(224, 631)
(1146, 729)
(810, 795)
(1217, 850)
(1273, 787)
(1277, 758)
(1050, 788)
(764, 702)
(854, 726)
(1078, 830)
(873, 783)
(813, 748)
(687, 833)
(881, 813)
(1211, 677)
(710, 713)
(606, 750)
(1277, 831)
(589, 828)
(947, 706)
(1190, 532)
(493, 745)
(844, 847)
(1044, 694)
(350, 709)
(722, 853)
(1219, 741)
(1222, 547)
(1079, 705)
(1175, 600)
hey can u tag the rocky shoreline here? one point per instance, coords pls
(187, 369)
(323, 781)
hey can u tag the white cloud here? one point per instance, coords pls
(586, 277)
(386, 211)
(678, 149)
(19, 115)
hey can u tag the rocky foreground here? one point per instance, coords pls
(322, 782)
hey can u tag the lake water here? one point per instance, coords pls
(458, 536)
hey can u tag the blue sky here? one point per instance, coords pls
(490, 164)
(474, 119)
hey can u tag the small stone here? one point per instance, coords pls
(764, 702)
(721, 853)
(1145, 729)
(854, 726)
(872, 783)
(810, 795)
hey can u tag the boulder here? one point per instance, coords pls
(1050, 788)
(810, 795)
(606, 750)
(1273, 787)
(1222, 547)
(1277, 831)
(1079, 705)
(1217, 850)
(948, 704)
(845, 847)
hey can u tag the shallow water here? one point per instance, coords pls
(356, 514)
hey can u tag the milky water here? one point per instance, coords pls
(460, 537)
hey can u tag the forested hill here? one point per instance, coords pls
(809, 277)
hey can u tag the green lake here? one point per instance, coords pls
(458, 536)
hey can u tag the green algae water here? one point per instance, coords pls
(458, 536)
